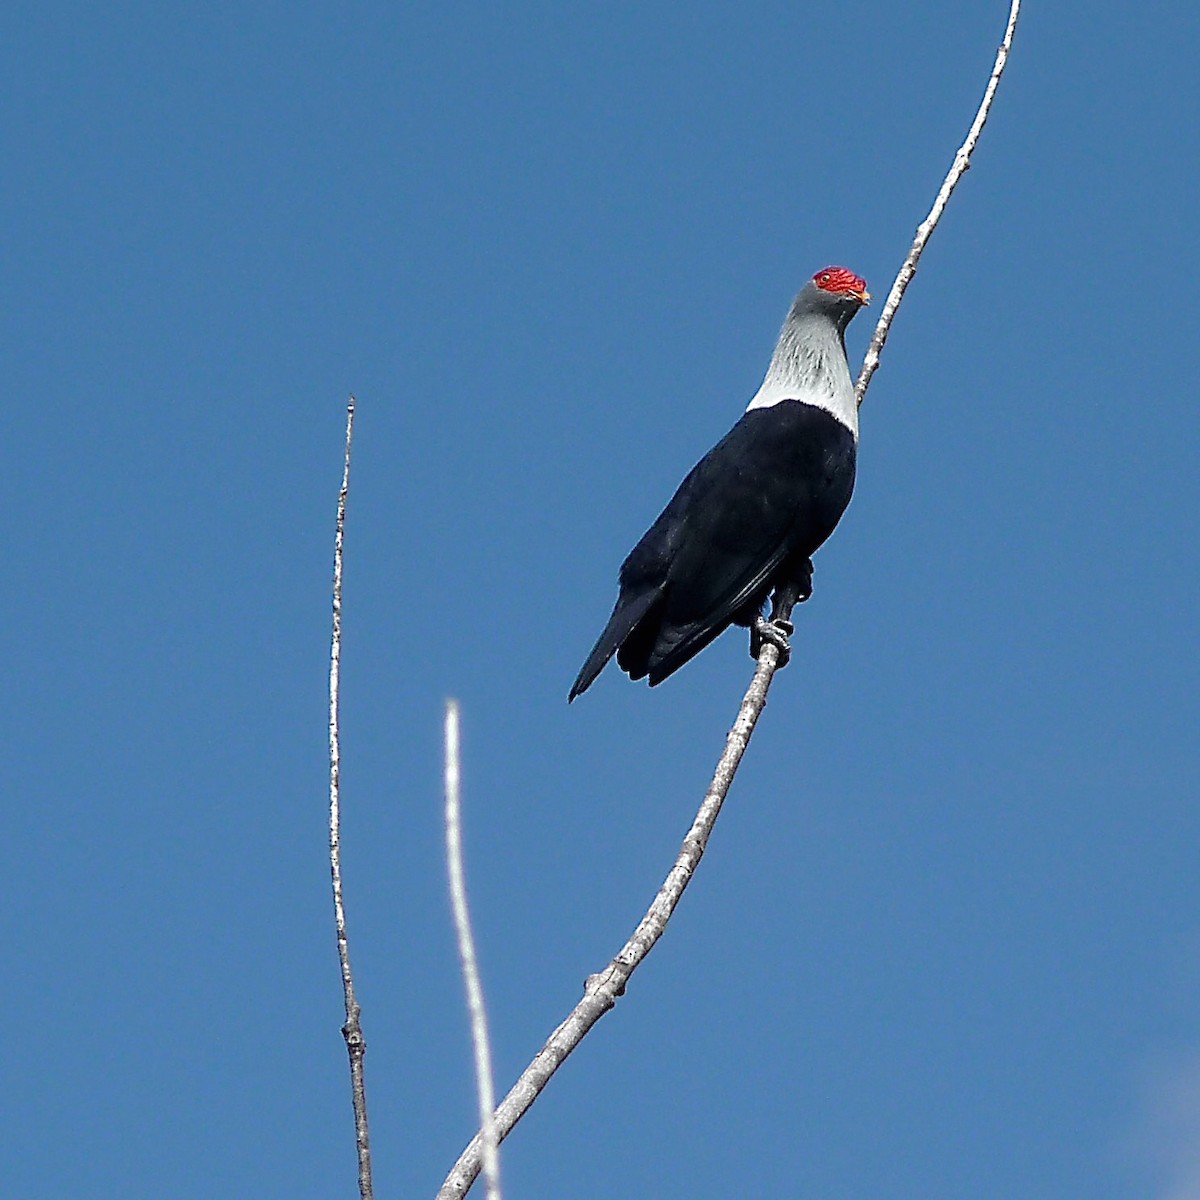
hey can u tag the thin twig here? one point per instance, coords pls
(356, 1045)
(602, 990)
(962, 161)
(466, 951)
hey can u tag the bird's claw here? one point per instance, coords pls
(777, 633)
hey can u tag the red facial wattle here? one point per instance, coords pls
(839, 280)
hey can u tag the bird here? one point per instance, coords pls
(745, 522)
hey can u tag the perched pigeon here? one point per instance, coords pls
(751, 512)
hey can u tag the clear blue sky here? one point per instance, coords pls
(946, 941)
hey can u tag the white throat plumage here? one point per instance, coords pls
(809, 365)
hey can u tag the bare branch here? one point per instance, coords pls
(466, 952)
(603, 989)
(356, 1045)
(962, 161)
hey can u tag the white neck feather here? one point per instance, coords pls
(809, 365)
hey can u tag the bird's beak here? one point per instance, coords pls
(863, 297)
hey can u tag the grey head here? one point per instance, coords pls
(809, 363)
(835, 293)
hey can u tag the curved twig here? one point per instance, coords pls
(356, 1045)
(485, 1085)
(962, 161)
(602, 990)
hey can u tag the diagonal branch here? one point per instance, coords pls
(356, 1045)
(602, 990)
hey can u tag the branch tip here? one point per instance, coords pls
(356, 1046)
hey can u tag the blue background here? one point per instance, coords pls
(946, 940)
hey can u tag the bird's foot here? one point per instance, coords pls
(777, 633)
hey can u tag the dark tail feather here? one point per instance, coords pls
(672, 652)
(625, 616)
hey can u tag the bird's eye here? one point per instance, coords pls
(825, 277)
